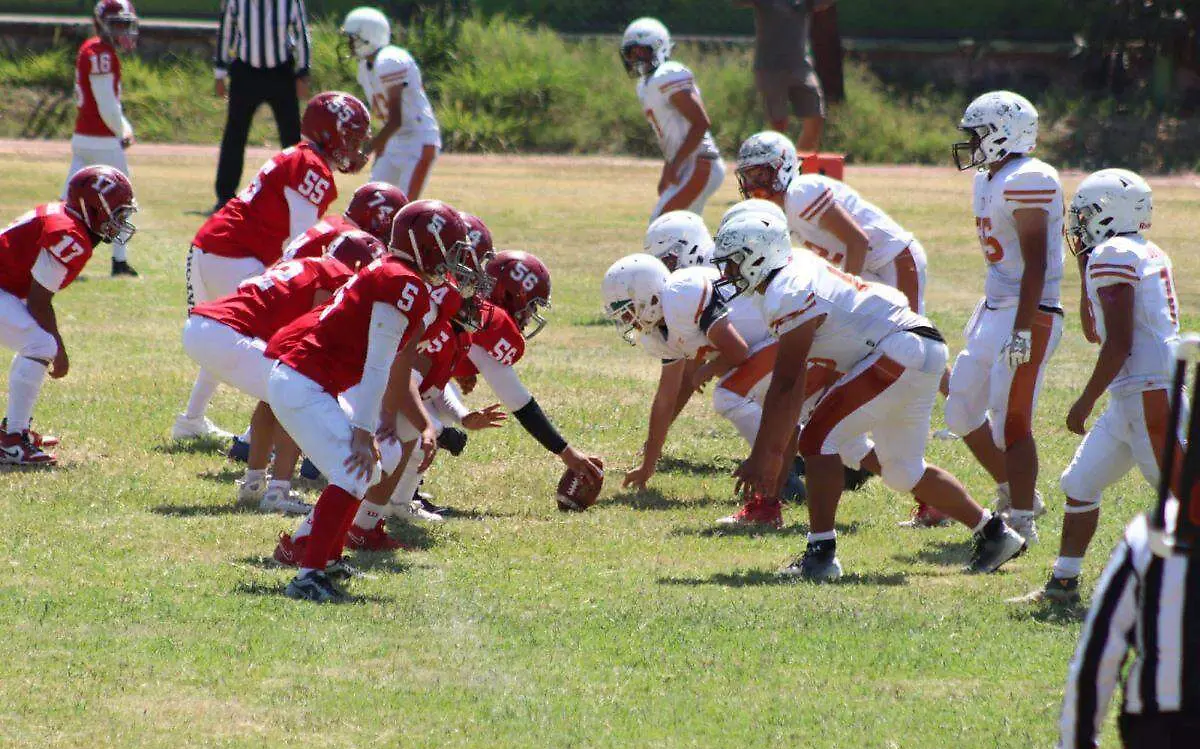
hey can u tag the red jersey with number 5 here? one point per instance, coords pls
(315, 241)
(259, 222)
(47, 235)
(329, 344)
(96, 57)
(265, 303)
(498, 335)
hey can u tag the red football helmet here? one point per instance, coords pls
(339, 125)
(424, 234)
(103, 198)
(373, 207)
(117, 23)
(473, 257)
(521, 284)
(356, 249)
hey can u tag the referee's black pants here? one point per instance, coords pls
(1162, 731)
(248, 89)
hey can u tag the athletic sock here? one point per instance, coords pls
(334, 505)
(369, 515)
(25, 380)
(406, 487)
(253, 475)
(305, 529)
(1067, 567)
(335, 551)
(202, 393)
(823, 536)
(1021, 516)
(286, 486)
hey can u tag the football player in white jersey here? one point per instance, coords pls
(1017, 326)
(671, 100)
(1131, 291)
(409, 140)
(893, 359)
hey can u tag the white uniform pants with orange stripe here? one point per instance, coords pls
(405, 164)
(890, 395)
(905, 272)
(697, 183)
(1131, 431)
(983, 387)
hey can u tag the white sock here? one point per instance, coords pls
(1021, 516)
(304, 529)
(278, 484)
(823, 536)
(407, 485)
(368, 515)
(987, 516)
(253, 476)
(119, 251)
(245, 436)
(202, 393)
(25, 379)
(1067, 567)
(1003, 489)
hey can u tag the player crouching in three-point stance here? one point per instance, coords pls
(893, 359)
(41, 253)
(1129, 287)
(671, 101)
(1016, 327)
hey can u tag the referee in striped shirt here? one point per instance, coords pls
(262, 57)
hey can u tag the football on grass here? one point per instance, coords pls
(575, 494)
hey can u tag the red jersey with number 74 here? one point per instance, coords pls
(48, 237)
(329, 344)
(258, 222)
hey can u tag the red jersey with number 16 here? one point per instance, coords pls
(315, 241)
(498, 335)
(329, 344)
(257, 223)
(264, 304)
(96, 57)
(48, 227)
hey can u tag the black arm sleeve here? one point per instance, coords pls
(539, 427)
(715, 310)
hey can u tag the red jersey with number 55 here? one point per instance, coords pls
(315, 241)
(283, 201)
(46, 243)
(444, 346)
(329, 344)
(498, 335)
(96, 57)
(265, 303)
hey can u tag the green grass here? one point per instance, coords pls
(139, 610)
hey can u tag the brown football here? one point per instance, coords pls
(576, 495)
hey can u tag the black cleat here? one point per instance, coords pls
(995, 545)
(123, 268)
(819, 563)
(315, 586)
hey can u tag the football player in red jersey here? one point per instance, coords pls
(228, 336)
(372, 209)
(102, 133)
(250, 232)
(362, 345)
(41, 253)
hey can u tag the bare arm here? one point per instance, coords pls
(838, 222)
(1031, 233)
(688, 104)
(1086, 318)
(41, 309)
(395, 118)
(662, 415)
(1116, 303)
(731, 348)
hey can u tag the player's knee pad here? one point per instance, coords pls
(903, 475)
(1085, 506)
(1076, 485)
(38, 344)
(961, 416)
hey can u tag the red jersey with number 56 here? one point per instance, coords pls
(329, 344)
(96, 57)
(315, 241)
(47, 237)
(284, 200)
(265, 303)
(498, 335)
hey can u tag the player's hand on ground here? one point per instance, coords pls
(61, 364)
(757, 475)
(488, 418)
(1078, 415)
(637, 478)
(364, 454)
(466, 384)
(591, 467)
(428, 446)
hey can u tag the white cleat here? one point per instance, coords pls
(1026, 529)
(281, 499)
(200, 428)
(414, 511)
(251, 492)
(1002, 506)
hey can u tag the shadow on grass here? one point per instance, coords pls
(276, 590)
(1050, 613)
(204, 446)
(474, 514)
(413, 536)
(749, 578)
(227, 474)
(193, 511)
(653, 499)
(942, 553)
(749, 531)
(689, 467)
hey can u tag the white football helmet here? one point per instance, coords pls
(679, 239)
(366, 31)
(645, 45)
(766, 163)
(632, 289)
(753, 205)
(997, 123)
(1109, 202)
(751, 246)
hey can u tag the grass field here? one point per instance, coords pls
(139, 609)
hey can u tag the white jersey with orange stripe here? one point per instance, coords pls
(669, 124)
(1134, 260)
(692, 303)
(1023, 183)
(394, 67)
(810, 196)
(857, 314)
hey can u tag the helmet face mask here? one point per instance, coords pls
(968, 154)
(749, 248)
(638, 60)
(119, 227)
(757, 181)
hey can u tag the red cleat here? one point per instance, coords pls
(19, 450)
(376, 539)
(288, 552)
(924, 516)
(38, 440)
(758, 511)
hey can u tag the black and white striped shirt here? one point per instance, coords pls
(263, 34)
(1152, 605)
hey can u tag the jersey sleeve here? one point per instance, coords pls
(691, 304)
(1032, 188)
(395, 71)
(500, 339)
(790, 307)
(807, 200)
(1110, 265)
(672, 78)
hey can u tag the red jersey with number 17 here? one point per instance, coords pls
(48, 227)
(96, 57)
(315, 241)
(329, 344)
(265, 303)
(257, 223)
(498, 335)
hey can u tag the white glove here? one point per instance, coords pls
(1019, 348)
